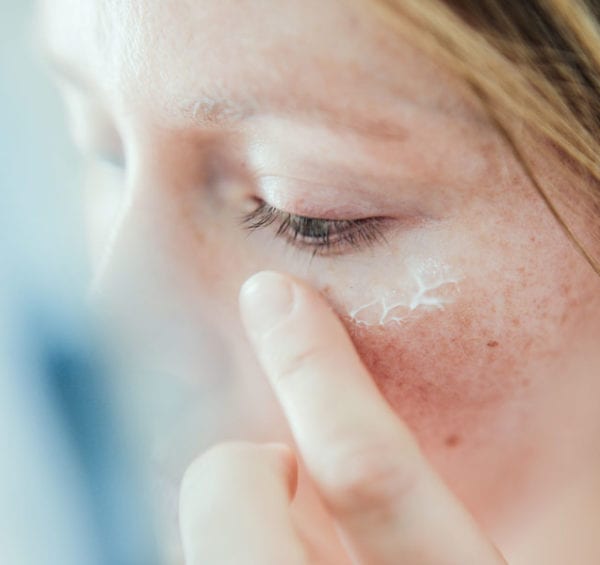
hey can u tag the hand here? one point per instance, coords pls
(389, 504)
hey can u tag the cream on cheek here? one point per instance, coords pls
(391, 285)
(420, 285)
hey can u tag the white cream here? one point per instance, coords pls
(425, 285)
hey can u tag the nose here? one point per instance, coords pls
(166, 287)
(154, 285)
(168, 315)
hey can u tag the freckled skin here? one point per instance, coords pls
(475, 368)
(500, 387)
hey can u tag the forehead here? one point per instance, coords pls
(168, 56)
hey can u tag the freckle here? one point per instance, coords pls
(492, 343)
(452, 440)
(565, 289)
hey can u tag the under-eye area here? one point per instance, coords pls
(423, 285)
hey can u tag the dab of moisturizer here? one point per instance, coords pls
(425, 285)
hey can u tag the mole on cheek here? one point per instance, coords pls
(453, 440)
(435, 371)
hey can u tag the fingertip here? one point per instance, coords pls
(265, 299)
(243, 489)
(223, 463)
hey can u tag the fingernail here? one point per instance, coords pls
(265, 299)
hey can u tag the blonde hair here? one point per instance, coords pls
(536, 61)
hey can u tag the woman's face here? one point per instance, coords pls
(197, 119)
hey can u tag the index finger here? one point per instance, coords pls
(365, 462)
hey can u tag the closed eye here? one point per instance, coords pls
(319, 235)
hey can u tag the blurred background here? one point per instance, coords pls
(70, 493)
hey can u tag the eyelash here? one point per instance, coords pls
(321, 236)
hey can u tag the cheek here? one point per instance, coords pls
(443, 371)
(460, 366)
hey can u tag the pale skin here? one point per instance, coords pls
(465, 434)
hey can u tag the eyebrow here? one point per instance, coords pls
(224, 111)
(219, 111)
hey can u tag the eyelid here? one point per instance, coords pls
(326, 200)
